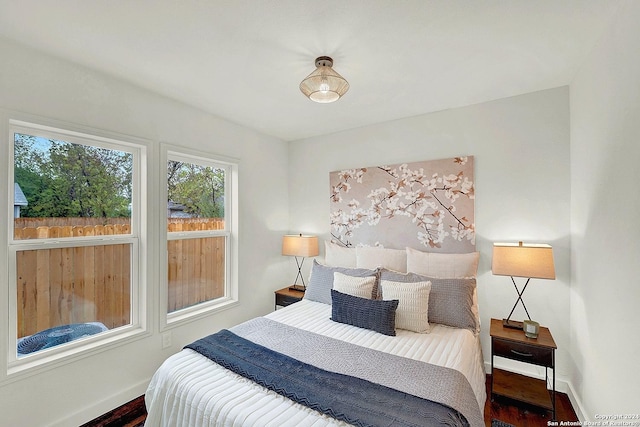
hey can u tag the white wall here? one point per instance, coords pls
(521, 149)
(531, 184)
(34, 83)
(605, 203)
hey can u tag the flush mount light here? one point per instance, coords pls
(324, 85)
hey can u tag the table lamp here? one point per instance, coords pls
(522, 260)
(297, 245)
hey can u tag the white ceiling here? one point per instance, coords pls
(243, 60)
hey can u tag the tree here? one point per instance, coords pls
(62, 179)
(38, 190)
(199, 188)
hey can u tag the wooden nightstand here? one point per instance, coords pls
(513, 344)
(286, 296)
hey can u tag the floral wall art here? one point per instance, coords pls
(426, 205)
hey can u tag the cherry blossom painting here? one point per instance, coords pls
(426, 205)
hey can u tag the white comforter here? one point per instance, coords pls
(191, 390)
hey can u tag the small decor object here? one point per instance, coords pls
(530, 328)
(324, 85)
(520, 260)
(298, 245)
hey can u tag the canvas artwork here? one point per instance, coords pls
(427, 205)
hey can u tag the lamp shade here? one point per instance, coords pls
(324, 85)
(299, 245)
(523, 260)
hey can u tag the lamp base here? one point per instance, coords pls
(513, 324)
(299, 288)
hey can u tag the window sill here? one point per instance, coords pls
(199, 311)
(59, 356)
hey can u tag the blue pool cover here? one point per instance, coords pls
(58, 335)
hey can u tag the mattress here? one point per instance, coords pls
(191, 390)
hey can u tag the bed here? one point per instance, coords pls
(330, 359)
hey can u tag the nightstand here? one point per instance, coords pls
(287, 296)
(513, 344)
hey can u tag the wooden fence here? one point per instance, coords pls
(26, 222)
(73, 285)
(41, 228)
(93, 284)
(196, 271)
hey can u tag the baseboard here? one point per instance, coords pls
(576, 402)
(102, 407)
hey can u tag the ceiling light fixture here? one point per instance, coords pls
(324, 85)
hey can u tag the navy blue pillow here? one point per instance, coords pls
(376, 315)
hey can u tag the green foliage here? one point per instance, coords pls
(199, 188)
(39, 193)
(62, 179)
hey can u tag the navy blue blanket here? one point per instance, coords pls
(350, 399)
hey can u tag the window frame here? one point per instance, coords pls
(230, 233)
(137, 327)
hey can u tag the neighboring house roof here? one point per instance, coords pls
(179, 214)
(19, 198)
(177, 210)
(175, 206)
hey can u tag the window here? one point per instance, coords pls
(200, 233)
(74, 254)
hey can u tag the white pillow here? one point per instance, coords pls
(413, 306)
(357, 286)
(374, 257)
(339, 256)
(443, 266)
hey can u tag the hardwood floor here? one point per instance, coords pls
(134, 413)
(131, 414)
(522, 415)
